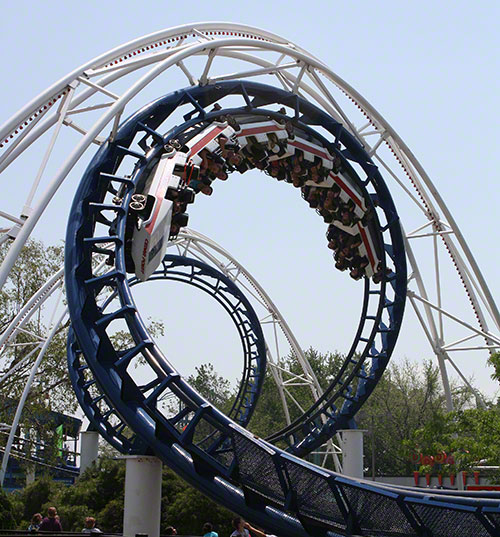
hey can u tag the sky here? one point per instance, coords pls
(430, 68)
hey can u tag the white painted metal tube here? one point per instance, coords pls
(117, 107)
(377, 119)
(31, 306)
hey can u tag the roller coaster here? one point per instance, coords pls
(131, 206)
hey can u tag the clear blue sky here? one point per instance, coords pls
(430, 68)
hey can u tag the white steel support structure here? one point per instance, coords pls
(142, 503)
(280, 340)
(279, 337)
(49, 294)
(26, 391)
(91, 102)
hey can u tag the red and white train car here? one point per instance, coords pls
(154, 208)
(208, 139)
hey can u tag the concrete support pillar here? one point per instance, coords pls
(461, 479)
(30, 474)
(142, 507)
(352, 452)
(89, 449)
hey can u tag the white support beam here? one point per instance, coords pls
(81, 130)
(192, 81)
(89, 449)
(491, 348)
(142, 504)
(62, 114)
(485, 335)
(254, 72)
(12, 218)
(458, 341)
(298, 80)
(88, 108)
(24, 396)
(352, 452)
(208, 64)
(433, 234)
(407, 191)
(101, 89)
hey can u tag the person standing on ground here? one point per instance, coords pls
(51, 521)
(36, 520)
(243, 529)
(90, 526)
(208, 530)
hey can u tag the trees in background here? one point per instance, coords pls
(269, 415)
(405, 413)
(212, 386)
(99, 493)
(34, 266)
(408, 397)
(408, 400)
(494, 360)
(7, 519)
(406, 410)
(51, 390)
(471, 436)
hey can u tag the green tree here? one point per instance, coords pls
(408, 397)
(7, 520)
(51, 390)
(32, 499)
(187, 509)
(269, 414)
(99, 492)
(35, 264)
(91, 495)
(212, 386)
(471, 435)
(494, 360)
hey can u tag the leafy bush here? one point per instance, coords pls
(7, 520)
(99, 492)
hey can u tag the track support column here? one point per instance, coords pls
(352, 452)
(30, 474)
(142, 507)
(89, 449)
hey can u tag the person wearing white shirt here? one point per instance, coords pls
(90, 526)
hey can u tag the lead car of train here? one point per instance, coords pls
(157, 208)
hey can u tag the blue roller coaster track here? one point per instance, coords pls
(99, 409)
(267, 484)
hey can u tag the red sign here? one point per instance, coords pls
(415, 457)
(440, 457)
